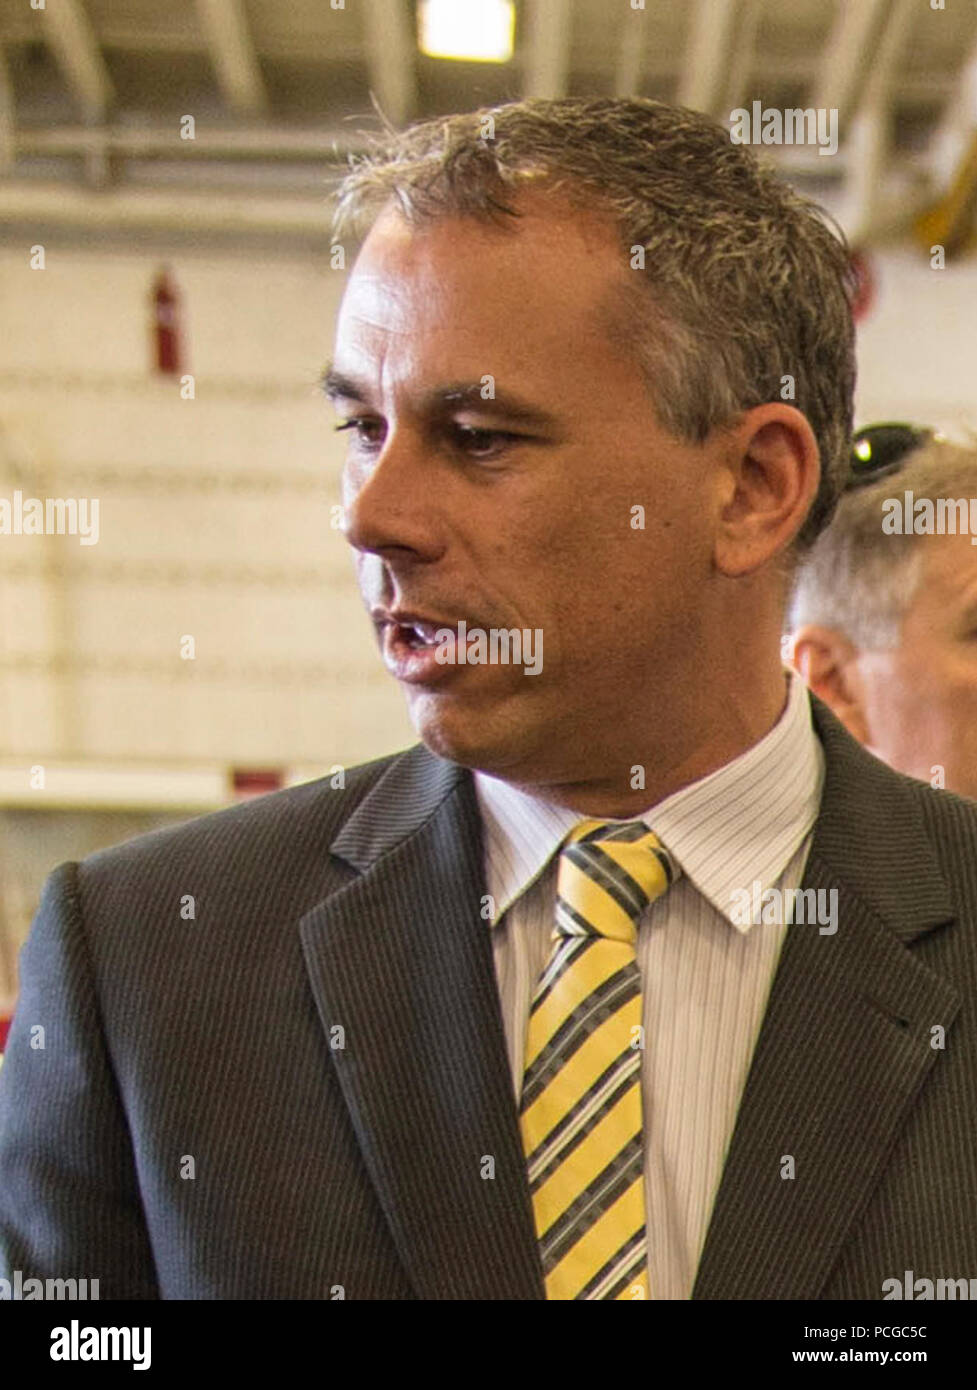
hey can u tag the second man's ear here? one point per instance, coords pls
(827, 661)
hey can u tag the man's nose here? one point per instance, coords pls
(388, 500)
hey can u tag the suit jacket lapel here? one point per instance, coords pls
(402, 960)
(845, 1044)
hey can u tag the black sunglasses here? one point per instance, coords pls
(880, 449)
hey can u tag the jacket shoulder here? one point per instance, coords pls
(951, 821)
(260, 831)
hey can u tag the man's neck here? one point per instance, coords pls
(659, 771)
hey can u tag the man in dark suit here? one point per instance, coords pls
(490, 1020)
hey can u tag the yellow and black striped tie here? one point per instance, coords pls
(581, 1097)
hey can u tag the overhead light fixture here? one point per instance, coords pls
(481, 31)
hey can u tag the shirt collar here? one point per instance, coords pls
(733, 829)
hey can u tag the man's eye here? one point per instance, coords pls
(482, 443)
(368, 430)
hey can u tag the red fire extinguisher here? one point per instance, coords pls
(166, 324)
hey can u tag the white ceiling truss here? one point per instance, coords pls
(93, 92)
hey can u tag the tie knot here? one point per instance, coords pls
(609, 872)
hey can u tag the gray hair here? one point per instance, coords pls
(857, 578)
(743, 282)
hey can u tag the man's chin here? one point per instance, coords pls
(461, 736)
(467, 747)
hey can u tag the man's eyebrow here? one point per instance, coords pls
(472, 395)
(337, 385)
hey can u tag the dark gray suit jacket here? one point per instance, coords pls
(318, 1166)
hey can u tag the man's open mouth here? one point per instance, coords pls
(418, 635)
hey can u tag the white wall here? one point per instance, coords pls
(214, 521)
(917, 350)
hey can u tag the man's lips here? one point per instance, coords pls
(420, 629)
(410, 641)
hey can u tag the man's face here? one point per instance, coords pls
(502, 442)
(921, 697)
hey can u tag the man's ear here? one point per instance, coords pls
(828, 663)
(767, 481)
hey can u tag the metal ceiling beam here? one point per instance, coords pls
(229, 142)
(958, 121)
(742, 54)
(235, 149)
(8, 144)
(702, 81)
(894, 35)
(870, 128)
(548, 48)
(390, 50)
(72, 41)
(950, 221)
(631, 51)
(848, 55)
(225, 27)
(124, 211)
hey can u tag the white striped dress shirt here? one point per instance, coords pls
(706, 974)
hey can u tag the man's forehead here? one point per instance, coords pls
(515, 293)
(376, 298)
